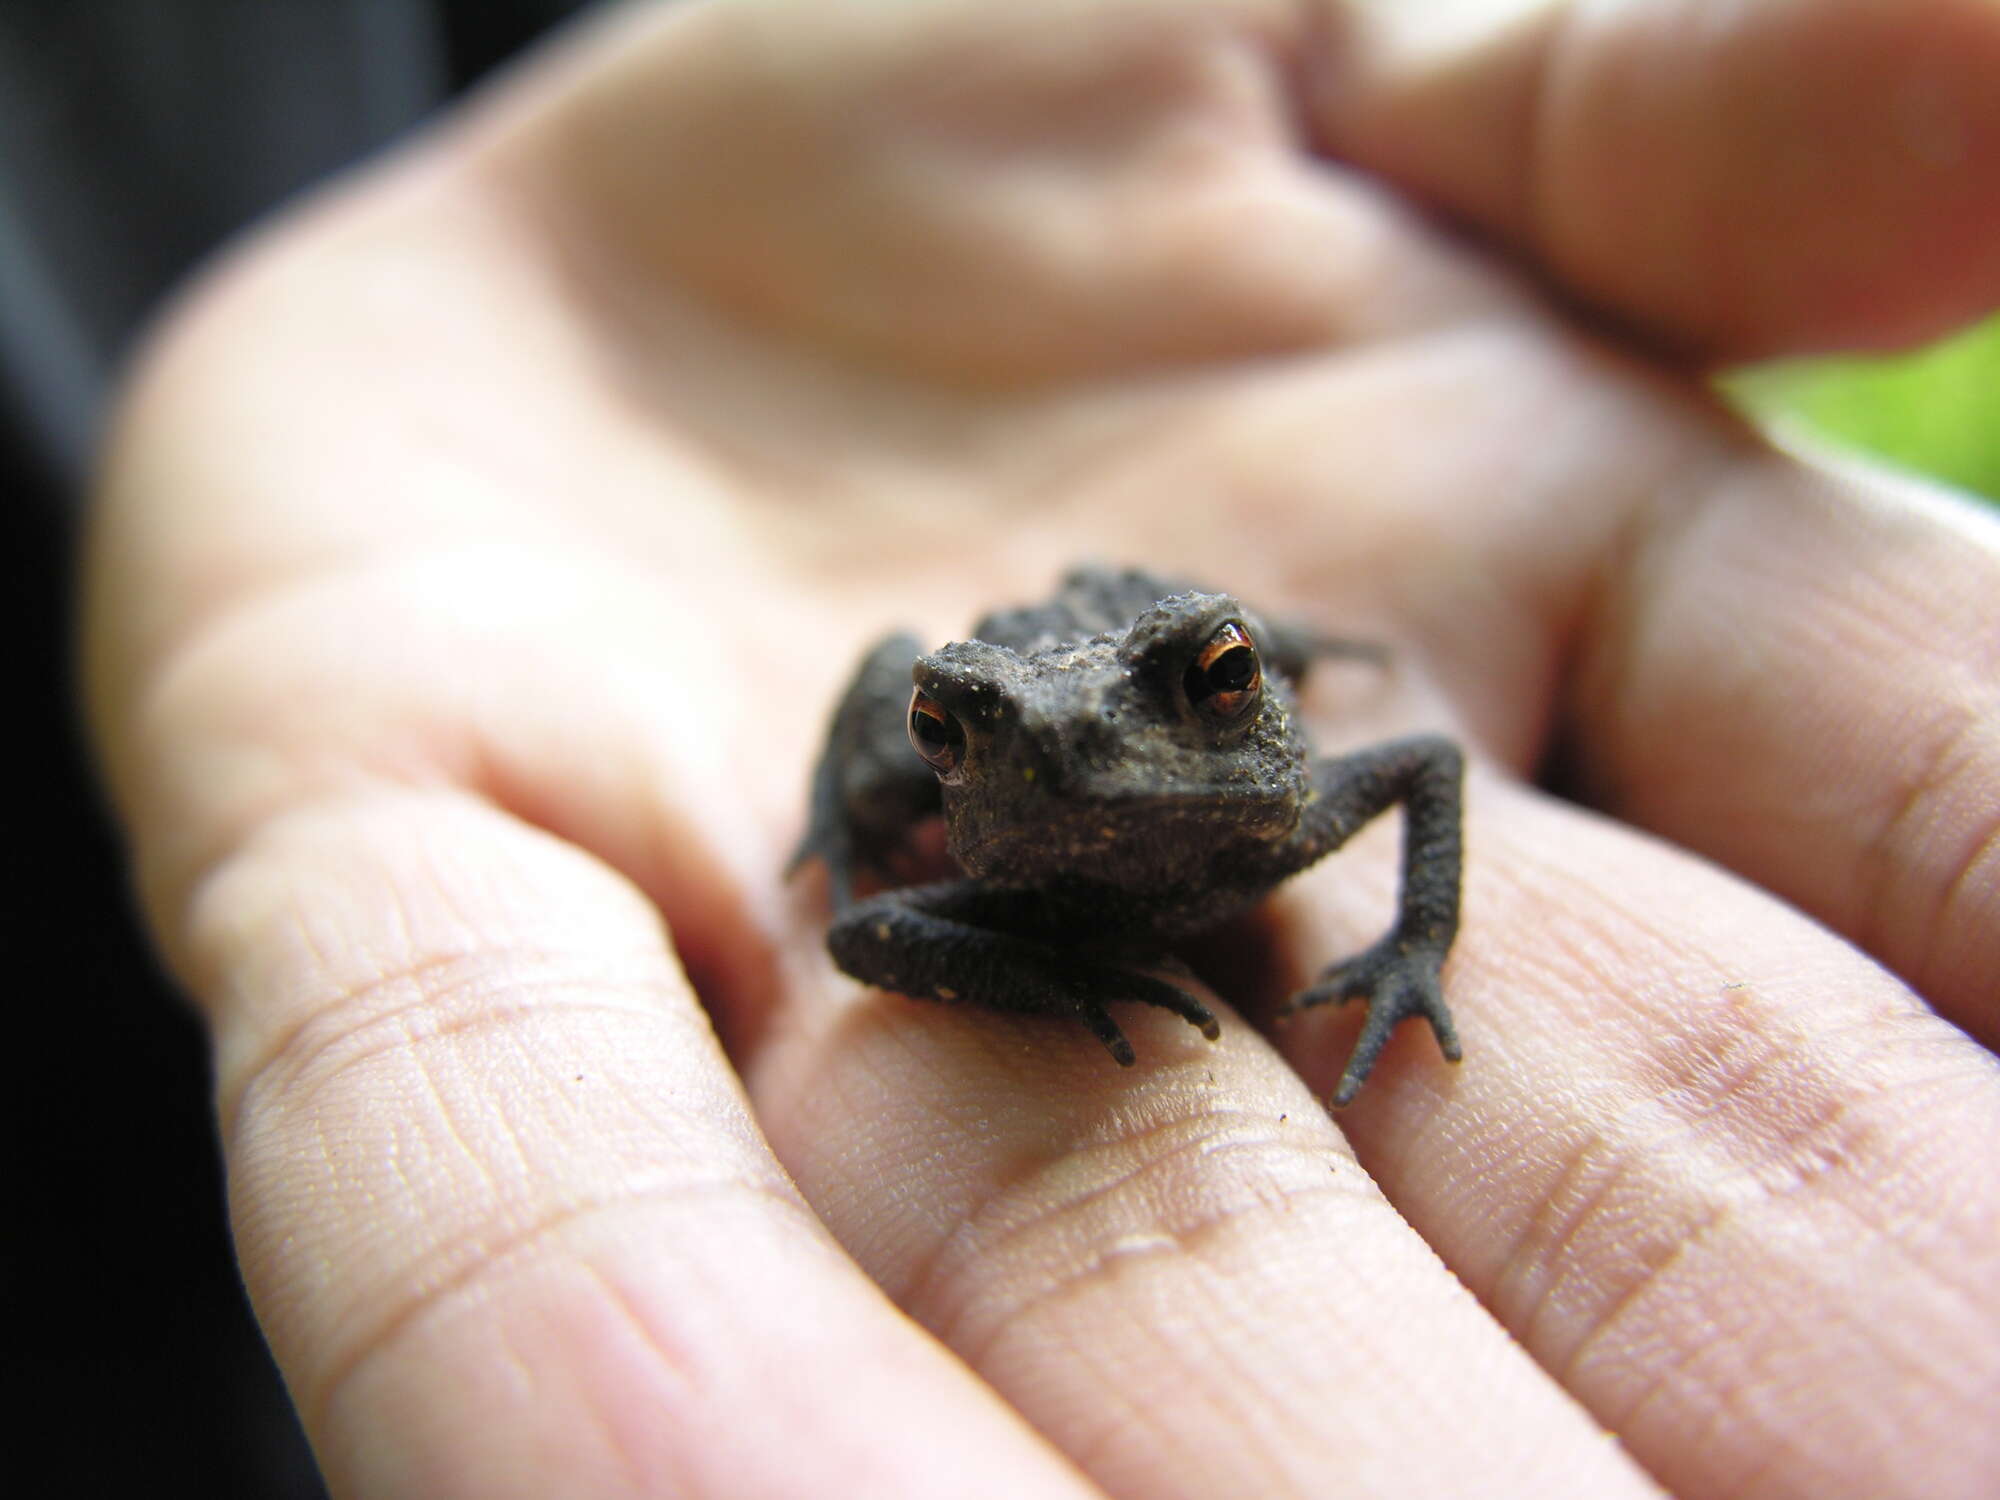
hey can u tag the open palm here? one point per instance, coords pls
(481, 550)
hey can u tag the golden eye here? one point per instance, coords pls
(936, 733)
(1225, 678)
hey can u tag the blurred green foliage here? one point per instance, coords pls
(1936, 411)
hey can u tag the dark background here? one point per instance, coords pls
(135, 135)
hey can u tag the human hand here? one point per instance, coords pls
(479, 552)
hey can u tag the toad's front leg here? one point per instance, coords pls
(961, 941)
(1398, 976)
(868, 789)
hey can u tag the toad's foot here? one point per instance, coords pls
(1107, 983)
(1398, 980)
(1080, 990)
(923, 941)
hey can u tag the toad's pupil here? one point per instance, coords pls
(935, 734)
(1233, 670)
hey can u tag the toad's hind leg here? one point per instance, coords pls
(950, 942)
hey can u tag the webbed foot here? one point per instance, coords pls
(1397, 980)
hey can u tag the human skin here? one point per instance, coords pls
(480, 548)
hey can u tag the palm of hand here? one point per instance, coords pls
(567, 466)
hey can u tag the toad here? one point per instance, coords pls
(1117, 769)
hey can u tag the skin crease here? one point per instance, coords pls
(479, 549)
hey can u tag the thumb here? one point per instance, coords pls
(1737, 180)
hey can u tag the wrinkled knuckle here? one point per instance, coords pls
(418, 1132)
(448, 1006)
(489, 1262)
(1184, 1198)
(1932, 855)
(1739, 1148)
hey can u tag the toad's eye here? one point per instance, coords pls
(1225, 678)
(936, 733)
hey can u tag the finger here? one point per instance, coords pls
(1740, 180)
(1174, 1270)
(497, 1195)
(1720, 1173)
(501, 1207)
(1797, 672)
